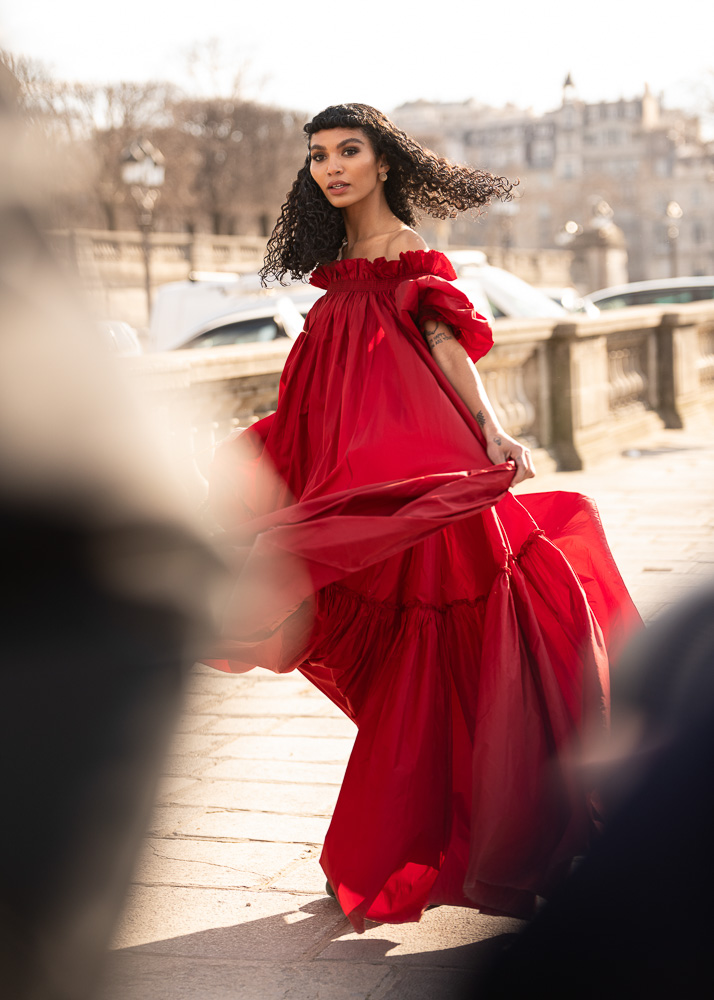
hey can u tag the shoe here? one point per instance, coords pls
(330, 891)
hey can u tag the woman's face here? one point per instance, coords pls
(345, 166)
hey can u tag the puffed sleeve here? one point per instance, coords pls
(432, 297)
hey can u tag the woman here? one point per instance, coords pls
(378, 550)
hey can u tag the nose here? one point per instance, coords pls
(334, 166)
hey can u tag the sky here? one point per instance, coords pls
(381, 52)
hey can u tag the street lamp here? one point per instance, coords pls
(142, 170)
(565, 236)
(506, 212)
(674, 214)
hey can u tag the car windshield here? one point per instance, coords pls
(243, 331)
(509, 296)
(662, 296)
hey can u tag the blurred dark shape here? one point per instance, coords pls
(107, 589)
(636, 918)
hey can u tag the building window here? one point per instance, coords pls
(662, 167)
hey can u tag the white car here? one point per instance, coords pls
(661, 291)
(120, 337)
(496, 293)
(217, 313)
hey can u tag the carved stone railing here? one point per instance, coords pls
(116, 258)
(705, 361)
(577, 390)
(625, 374)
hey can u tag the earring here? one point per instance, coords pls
(383, 176)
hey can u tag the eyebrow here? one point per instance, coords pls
(345, 142)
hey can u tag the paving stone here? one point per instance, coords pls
(184, 744)
(353, 981)
(304, 876)
(426, 984)
(276, 827)
(341, 727)
(306, 748)
(197, 702)
(184, 765)
(191, 722)
(216, 683)
(166, 820)
(277, 770)
(287, 686)
(451, 931)
(170, 787)
(239, 924)
(305, 800)
(132, 976)
(240, 705)
(246, 725)
(215, 865)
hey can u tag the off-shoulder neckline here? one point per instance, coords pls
(409, 263)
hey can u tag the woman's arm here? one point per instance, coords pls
(461, 372)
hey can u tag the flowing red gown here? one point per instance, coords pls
(466, 632)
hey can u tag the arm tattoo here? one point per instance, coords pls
(497, 440)
(480, 419)
(439, 335)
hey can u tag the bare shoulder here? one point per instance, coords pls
(404, 241)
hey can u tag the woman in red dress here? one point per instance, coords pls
(378, 550)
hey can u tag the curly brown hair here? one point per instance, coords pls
(310, 230)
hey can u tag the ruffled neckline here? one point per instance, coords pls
(409, 264)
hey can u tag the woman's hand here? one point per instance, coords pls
(500, 447)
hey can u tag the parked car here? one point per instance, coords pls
(664, 291)
(570, 299)
(496, 293)
(270, 320)
(217, 313)
(120, 337)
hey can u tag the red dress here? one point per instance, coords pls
(465, 631)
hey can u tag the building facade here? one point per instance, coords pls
(645, 167)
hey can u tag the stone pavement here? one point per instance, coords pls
(228, 901)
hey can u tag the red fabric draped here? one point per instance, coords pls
(467, 633)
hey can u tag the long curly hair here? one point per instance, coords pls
(310, 231)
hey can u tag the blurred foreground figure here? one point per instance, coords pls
(636, 918)
(106, 584)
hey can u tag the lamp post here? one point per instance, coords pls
(506, 212)
(142, 170)
(674, 214)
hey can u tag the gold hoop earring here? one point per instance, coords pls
(383, 176)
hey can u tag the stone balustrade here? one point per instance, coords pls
(116, 257)
(111, 265)
(577, 390)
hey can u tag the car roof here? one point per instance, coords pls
(653, 284)
(175, 321)
(279, 308)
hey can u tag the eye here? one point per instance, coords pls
(351, 150)
(316, 157)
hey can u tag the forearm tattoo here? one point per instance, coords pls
(439, 335)
(481, 421)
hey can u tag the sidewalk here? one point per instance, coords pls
(229, 902)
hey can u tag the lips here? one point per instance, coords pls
(337, 187)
